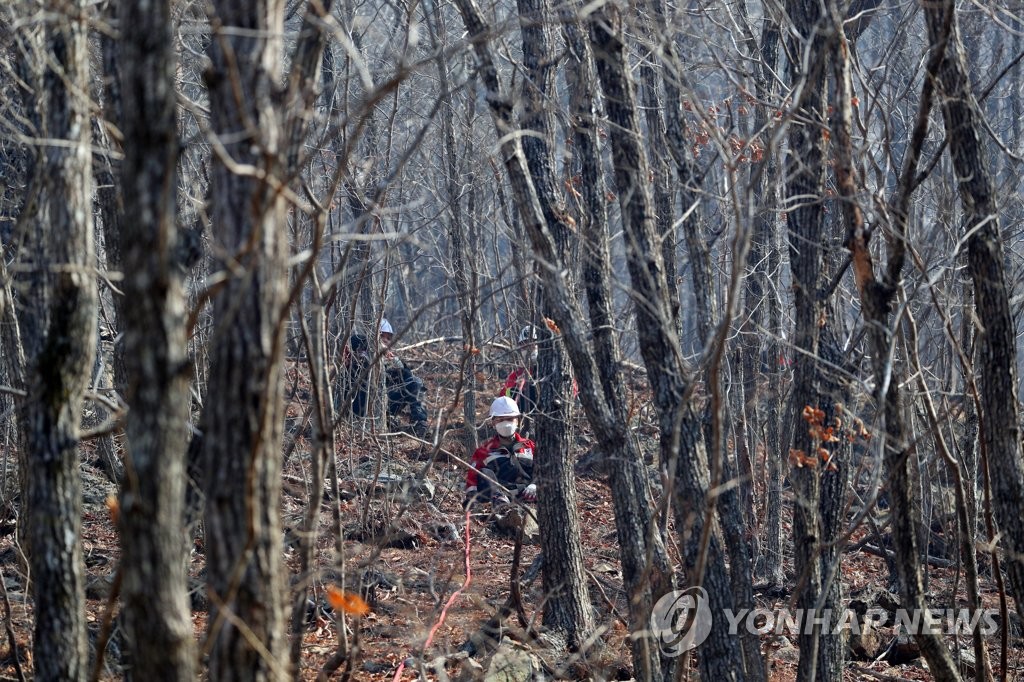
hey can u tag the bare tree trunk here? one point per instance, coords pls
(1000, 425)
(153, 538)
(314, 331)
(457, 250)
(805, 171)
(682, 443)
(696, 241)
(646, 571)
(568, 607)
(761, 322)
(110, 208)
(59, 373)
(640, 542)
(243, 429)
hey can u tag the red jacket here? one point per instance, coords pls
(493, 449)
(515, 382)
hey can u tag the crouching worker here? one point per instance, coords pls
(502, 466)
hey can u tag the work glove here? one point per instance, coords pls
(529, 493)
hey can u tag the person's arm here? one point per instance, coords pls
(511, 385)
(472, 474)
(472, 479)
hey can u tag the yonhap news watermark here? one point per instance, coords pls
(682, 620)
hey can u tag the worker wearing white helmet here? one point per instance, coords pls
(404, 388)
(504, 464)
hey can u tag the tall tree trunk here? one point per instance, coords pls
(59, 371)
(314, 319)
(457, 248)
(682, 444)
(689, 187)
(997, 357)
(877, 296)
(805, 171)
(761, 357)
(568, 607)
(13, 341)
(243, 432)
(603, 396)
(109, 211)
(153, 538)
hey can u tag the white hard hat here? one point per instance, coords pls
(504, 407)
(385, 327)
(528, 333)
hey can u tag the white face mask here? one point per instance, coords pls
(506, 429)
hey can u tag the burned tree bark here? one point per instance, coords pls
(646, 570)
(805, 177)
(556, 487)
(568, 608)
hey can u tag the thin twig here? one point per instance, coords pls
(10, 631)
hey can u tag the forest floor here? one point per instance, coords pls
(404, 551)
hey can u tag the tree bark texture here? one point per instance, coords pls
(805, 178)
(242, 424)
(321, 456)
(65, 320)
(641, 546)
(675, 134)
(997, 357)
(460, 263)
(761, 356)
(153, 538)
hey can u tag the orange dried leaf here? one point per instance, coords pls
(798, 459)
(114, 508)
(552, 326)
(348, 602)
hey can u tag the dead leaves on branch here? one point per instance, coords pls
(822, 434)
